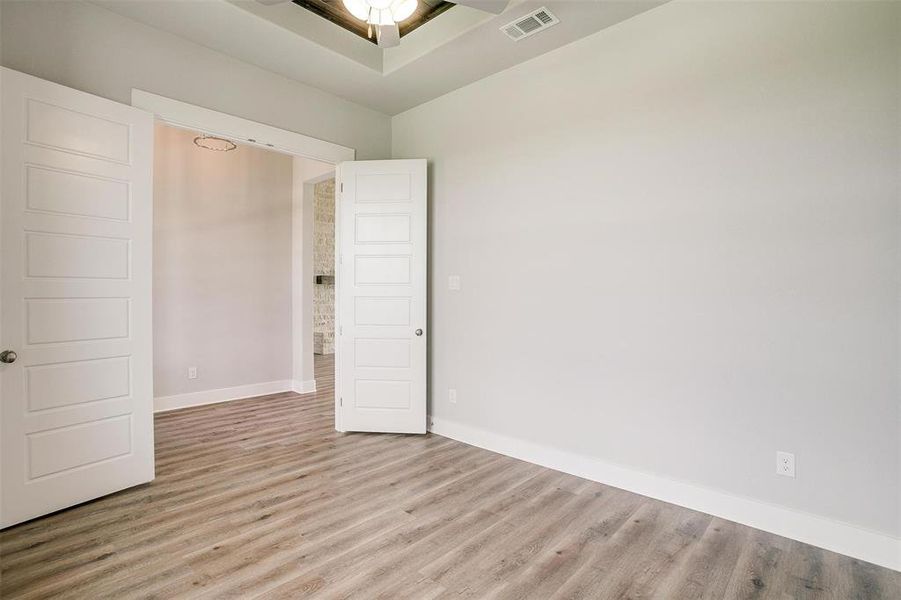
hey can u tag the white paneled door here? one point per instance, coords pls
(76, 388)
(381, 296)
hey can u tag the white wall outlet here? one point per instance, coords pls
(452, 396)
(453, 282)
(192, 372)
(785, 464)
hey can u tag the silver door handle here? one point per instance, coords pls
(419, 332)
(8, 356)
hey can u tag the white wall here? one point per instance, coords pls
(222, 266)
(679, 249)
(89, 48)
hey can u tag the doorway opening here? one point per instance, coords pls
(246, 299)
(324, 266)
(224, 254)
(322, 190)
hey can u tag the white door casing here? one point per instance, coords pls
(381, 296)
(76, 418)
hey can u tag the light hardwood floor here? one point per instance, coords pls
(262, 498)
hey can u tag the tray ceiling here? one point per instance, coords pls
(334, 11)
(458, 47)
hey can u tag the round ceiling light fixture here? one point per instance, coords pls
(381, 12)
(217, 144)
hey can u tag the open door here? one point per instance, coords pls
(76, 390)
(381, 296)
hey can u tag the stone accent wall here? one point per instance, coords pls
(324, 264)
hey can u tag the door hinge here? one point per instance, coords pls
(340, 329)
(341, 187)
(340, 401)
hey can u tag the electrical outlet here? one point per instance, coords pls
(785, 464)
(192, 372)
(452, 396)
(453, 282)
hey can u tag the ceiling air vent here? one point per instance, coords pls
(531, 23)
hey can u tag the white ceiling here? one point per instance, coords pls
(456, 48)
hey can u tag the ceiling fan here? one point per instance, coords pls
(382, 16)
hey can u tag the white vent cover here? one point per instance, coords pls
(532, 23)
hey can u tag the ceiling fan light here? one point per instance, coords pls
(402, 9)
(379, 4)
(358, 8)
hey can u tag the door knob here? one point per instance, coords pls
(8, 356)
(419, 332)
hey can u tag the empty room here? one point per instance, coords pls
(508, 299)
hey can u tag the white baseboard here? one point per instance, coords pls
(304, 387)
(164, 403)
(871, 546)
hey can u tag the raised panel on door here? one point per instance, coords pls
(382, 395)
(75, 256)
(73, 130)
(382, 353)
(383, 187)
(383, 229)
(70, 320)
(86, 443)
(381, 296)
(381, 310)
(64, 384)
(75, 272)
(76, 194)
(382, 270)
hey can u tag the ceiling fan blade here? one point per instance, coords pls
(388, 36)
(492, 6)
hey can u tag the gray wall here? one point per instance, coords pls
(89, 48)
(221, 265)
(679, 246)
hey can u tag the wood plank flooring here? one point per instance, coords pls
(261, 498)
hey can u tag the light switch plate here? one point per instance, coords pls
(453, 282)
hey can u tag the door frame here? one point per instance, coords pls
(204, 120)
(183, 115)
